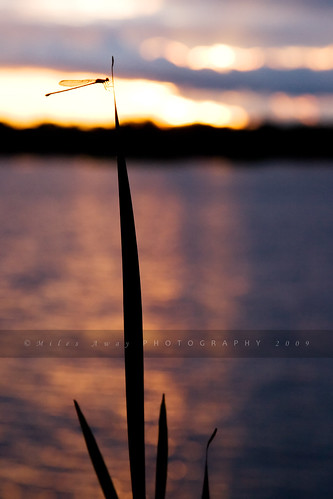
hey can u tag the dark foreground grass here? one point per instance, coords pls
(162, 453)
(134, 363)
(96, 457)
(205, 488)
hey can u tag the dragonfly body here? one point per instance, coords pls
(74, 84)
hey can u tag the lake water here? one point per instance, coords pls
(223, 247)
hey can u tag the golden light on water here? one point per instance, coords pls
(88, 295)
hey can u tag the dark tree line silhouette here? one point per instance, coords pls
(146, 140)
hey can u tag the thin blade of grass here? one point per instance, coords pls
(205, 488)
(162, 453)
(96, 457)
(133, 332)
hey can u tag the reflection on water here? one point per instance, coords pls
(221, 246)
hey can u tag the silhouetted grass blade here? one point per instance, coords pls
(133, 334)
(96, 457)
(162, 453)
(205, 489)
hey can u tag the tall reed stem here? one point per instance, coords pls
(133, 329)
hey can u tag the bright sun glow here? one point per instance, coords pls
(221, 58)
(218, 57)
(24, 102)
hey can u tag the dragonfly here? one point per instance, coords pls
(74, 84)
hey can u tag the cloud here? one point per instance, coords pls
(90, 48)
(244, 23)
(74, 12)
(262, 23)
(249, 22)
(77, 48)
(263, 80)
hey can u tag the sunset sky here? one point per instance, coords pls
(227, 63)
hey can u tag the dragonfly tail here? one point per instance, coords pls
(73, 88)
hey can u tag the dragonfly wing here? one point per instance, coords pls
(75, 83)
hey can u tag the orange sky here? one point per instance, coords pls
(24, 103)
(175, 65)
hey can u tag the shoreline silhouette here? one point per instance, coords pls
(148, 141)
